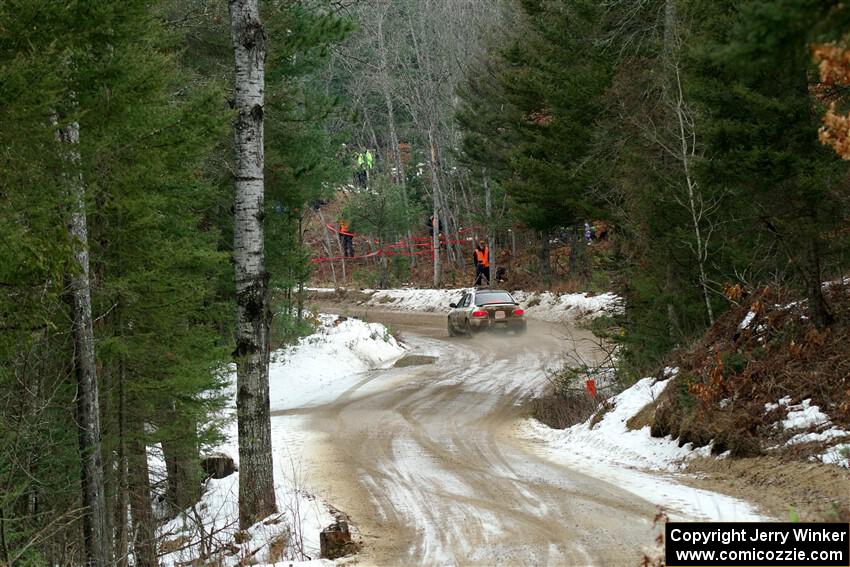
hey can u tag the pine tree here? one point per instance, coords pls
(536, 131)
(753, 81)
(301, 161)
(646, 150)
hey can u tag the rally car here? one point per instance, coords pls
(485, 310)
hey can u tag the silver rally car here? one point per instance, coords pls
(485, 310)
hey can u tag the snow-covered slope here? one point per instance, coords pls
(319, 366)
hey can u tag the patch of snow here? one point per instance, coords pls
(837, 455)
(803, 416)
(413, 299)
(843, 281)
(309, 563)
(320, 366)
(821, 437)
(783, 402)
(569, 306)
(630, 448)
(217, 517)
(747, 320)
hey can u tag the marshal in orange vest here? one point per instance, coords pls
(482, 257)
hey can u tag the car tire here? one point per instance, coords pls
(452, 332)
(469, 331)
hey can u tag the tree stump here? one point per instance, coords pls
(335, 541)
(218, 465)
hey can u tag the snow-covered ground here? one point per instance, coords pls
(636, 461)
(317, 369)
(539, 305)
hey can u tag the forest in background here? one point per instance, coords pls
(709, 133)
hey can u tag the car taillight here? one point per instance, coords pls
(479, 313)
(519, 312)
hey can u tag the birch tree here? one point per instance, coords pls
(684, 150)
(253, 316)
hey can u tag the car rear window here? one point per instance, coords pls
(492, 297)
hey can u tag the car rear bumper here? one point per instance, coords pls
(479, 325)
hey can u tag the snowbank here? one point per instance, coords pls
(317, 369)
(569, 306)
(545, 306)
(633, 459)
(616, 443)
(299, 520)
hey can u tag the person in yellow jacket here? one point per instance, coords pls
(481, 258)
(360, 169)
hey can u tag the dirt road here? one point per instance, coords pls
(425, 464)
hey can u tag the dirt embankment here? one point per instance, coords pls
(785, 489)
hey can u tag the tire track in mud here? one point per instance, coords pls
(427, 468)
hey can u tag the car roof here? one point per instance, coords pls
(487, 290)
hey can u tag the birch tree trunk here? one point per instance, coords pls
(686, 136)
(385, 82)
(435, 189)
(95, 534)
(388, 101)
(253, 316)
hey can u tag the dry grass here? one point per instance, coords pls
(562, 411)
(600, 413)
(278, 547)
(643, 418)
